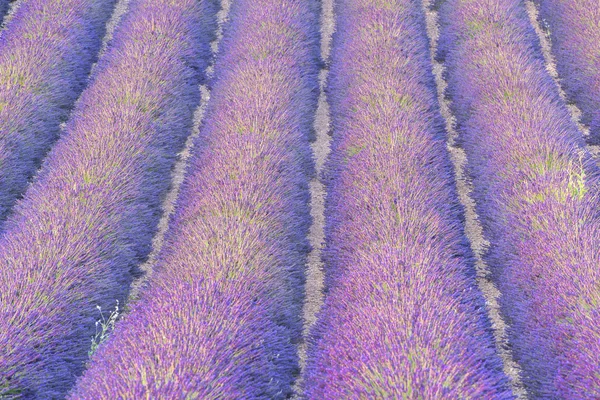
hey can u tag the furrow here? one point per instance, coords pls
(313, 299)
(403, 316)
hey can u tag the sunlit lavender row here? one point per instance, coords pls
(46, 52)
(74, 240)
(221, 317)
(537, 192)
(575, 32)
(403, 317)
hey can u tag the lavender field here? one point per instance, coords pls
(299, 199)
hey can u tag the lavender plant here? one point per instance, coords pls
(46, 52)
(222, 312)
(575, 32)
(89, 217)
(403, 317)
(537, 193)
(3, 8)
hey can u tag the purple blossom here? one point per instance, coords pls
(46, 52)
(3, 8)
(403, 317)
(221, 316)
(537, 193)
(89, 217)
(575, 31)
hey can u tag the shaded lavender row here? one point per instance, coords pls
(223, 311)
(575, 31)
(88, 219)
(46, 52)
(537, 193)
(403, 317)
(3, 8)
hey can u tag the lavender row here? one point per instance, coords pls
(575, 32)
(403, 317)
(222, 314)
(3, 8)
(46, 52)
(537, 193)
(89, 217)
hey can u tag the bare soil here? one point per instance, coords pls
(313, 288)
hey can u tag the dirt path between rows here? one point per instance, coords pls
(473, 228)
(313, 288)
(121, 7)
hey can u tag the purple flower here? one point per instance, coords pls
(403, 317)
(575, 31)
(46, 53)
(89, 217)
(537, 192)
(221, 316)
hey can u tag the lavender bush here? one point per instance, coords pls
(403, 317)
(3, 8)
(537, 193)
(222, 312)
(46, 52)
(89, 217)
(575, 32)
(223, 309)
